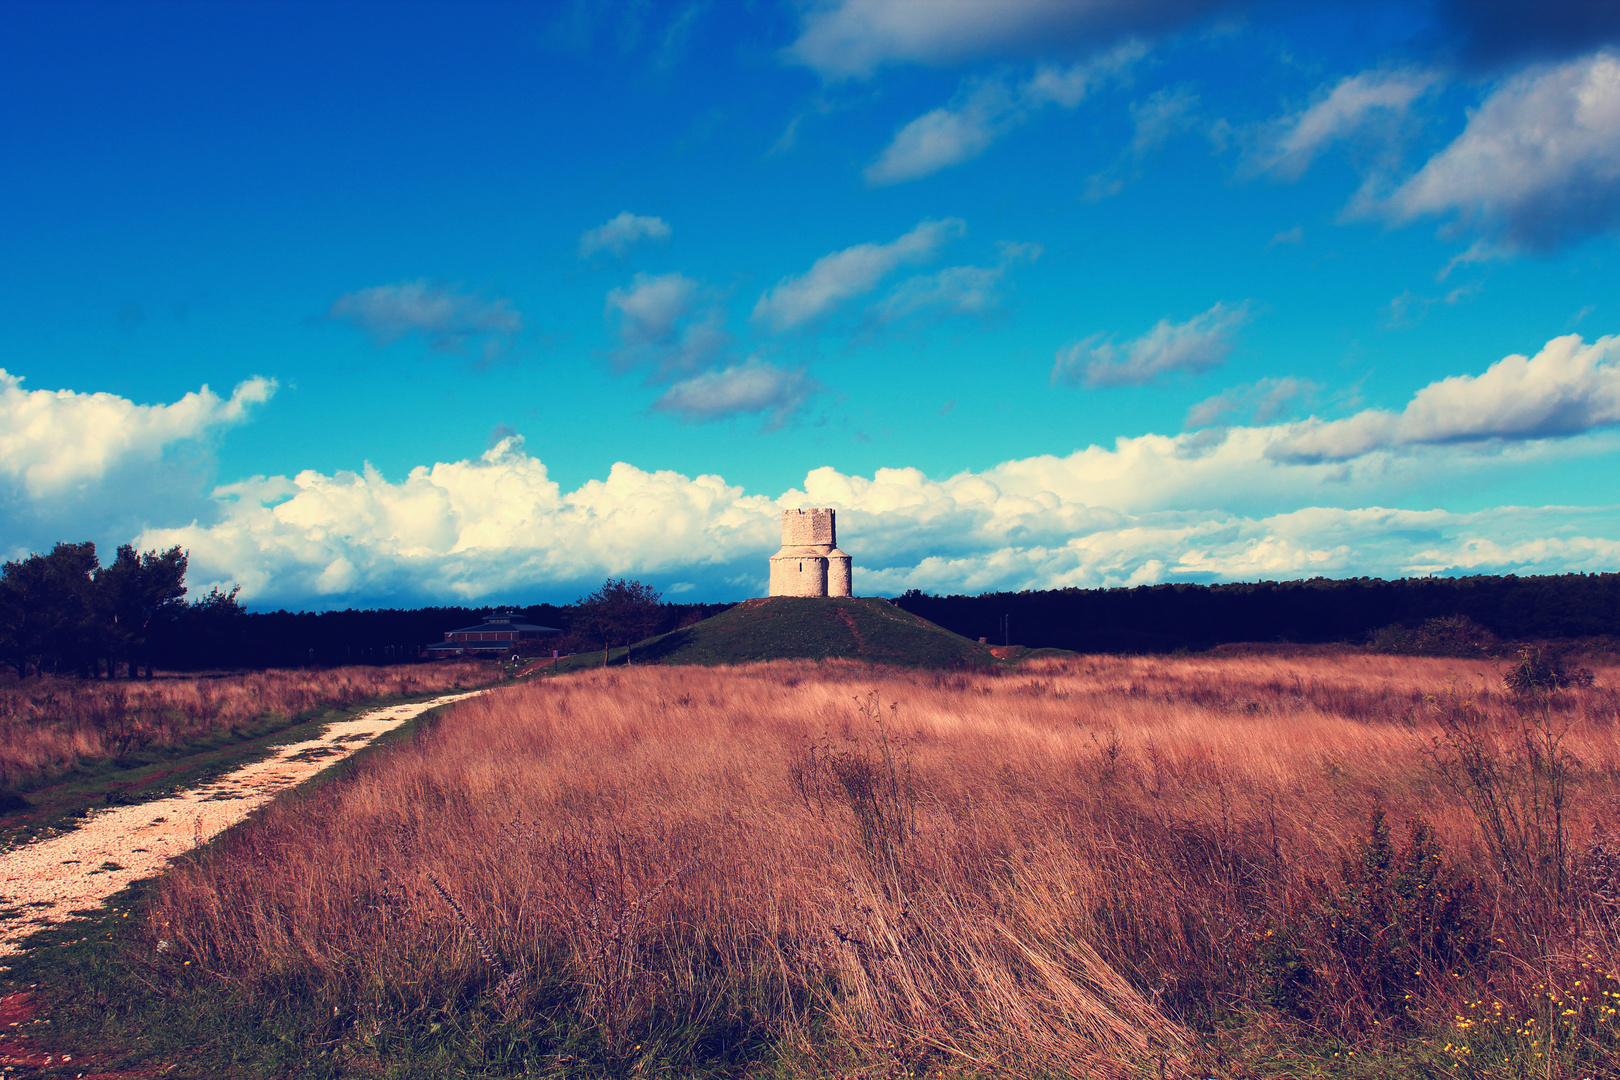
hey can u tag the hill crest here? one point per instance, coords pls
(815, 628)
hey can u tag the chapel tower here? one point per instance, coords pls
(810, 563)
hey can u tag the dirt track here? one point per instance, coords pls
(46, 881)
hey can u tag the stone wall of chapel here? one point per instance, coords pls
(840, 575)
(799, 575)
(802, 528)
(810, 563)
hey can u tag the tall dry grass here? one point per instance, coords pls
(1069, 869)
(49, 726)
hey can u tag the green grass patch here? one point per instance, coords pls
(792, 627)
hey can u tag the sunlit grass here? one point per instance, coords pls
(49, 726)
(1082, 866)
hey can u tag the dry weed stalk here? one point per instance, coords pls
(613, 974)
(869, 773)
(486, 951)
(1514, 774)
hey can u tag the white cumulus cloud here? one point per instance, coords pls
(1371, 99)
(1165, 114)
(1146, 509)
(987, 109)
(853, 38)
(1537, 166)
(448, 319)
(1317, 541)
(663, 325)
(1264, 399)
(1200, 343)
(1229, 503)
(747, 388)
(620, 233)
(955, 290)
(838, 277)
(52, 441)
(462, 529)
(1567, 388)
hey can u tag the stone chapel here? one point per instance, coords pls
(810, 563)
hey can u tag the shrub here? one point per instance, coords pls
(1400, 914)
(1448, 635)
(1514, 775)
(1540, 670)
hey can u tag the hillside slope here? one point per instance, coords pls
(779, 627)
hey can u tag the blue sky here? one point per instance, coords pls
(408, 303)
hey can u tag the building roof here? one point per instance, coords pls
(506, 620)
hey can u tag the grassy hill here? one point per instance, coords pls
(861, 628)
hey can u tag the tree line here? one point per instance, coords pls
(64, 612)
(386, 636)
(1163, 618)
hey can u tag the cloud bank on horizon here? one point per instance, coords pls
(1038, 293)
(1237, 506)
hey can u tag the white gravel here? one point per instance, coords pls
(46, 881)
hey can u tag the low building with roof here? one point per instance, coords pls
(500, 633)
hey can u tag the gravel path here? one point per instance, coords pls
(46, 881)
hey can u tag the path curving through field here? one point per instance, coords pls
(46, 881)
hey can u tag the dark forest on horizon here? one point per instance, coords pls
(1143, 619)
(64, 612)
(1167, 617)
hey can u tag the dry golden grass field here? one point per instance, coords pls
(1099, 866)
(50, 725)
